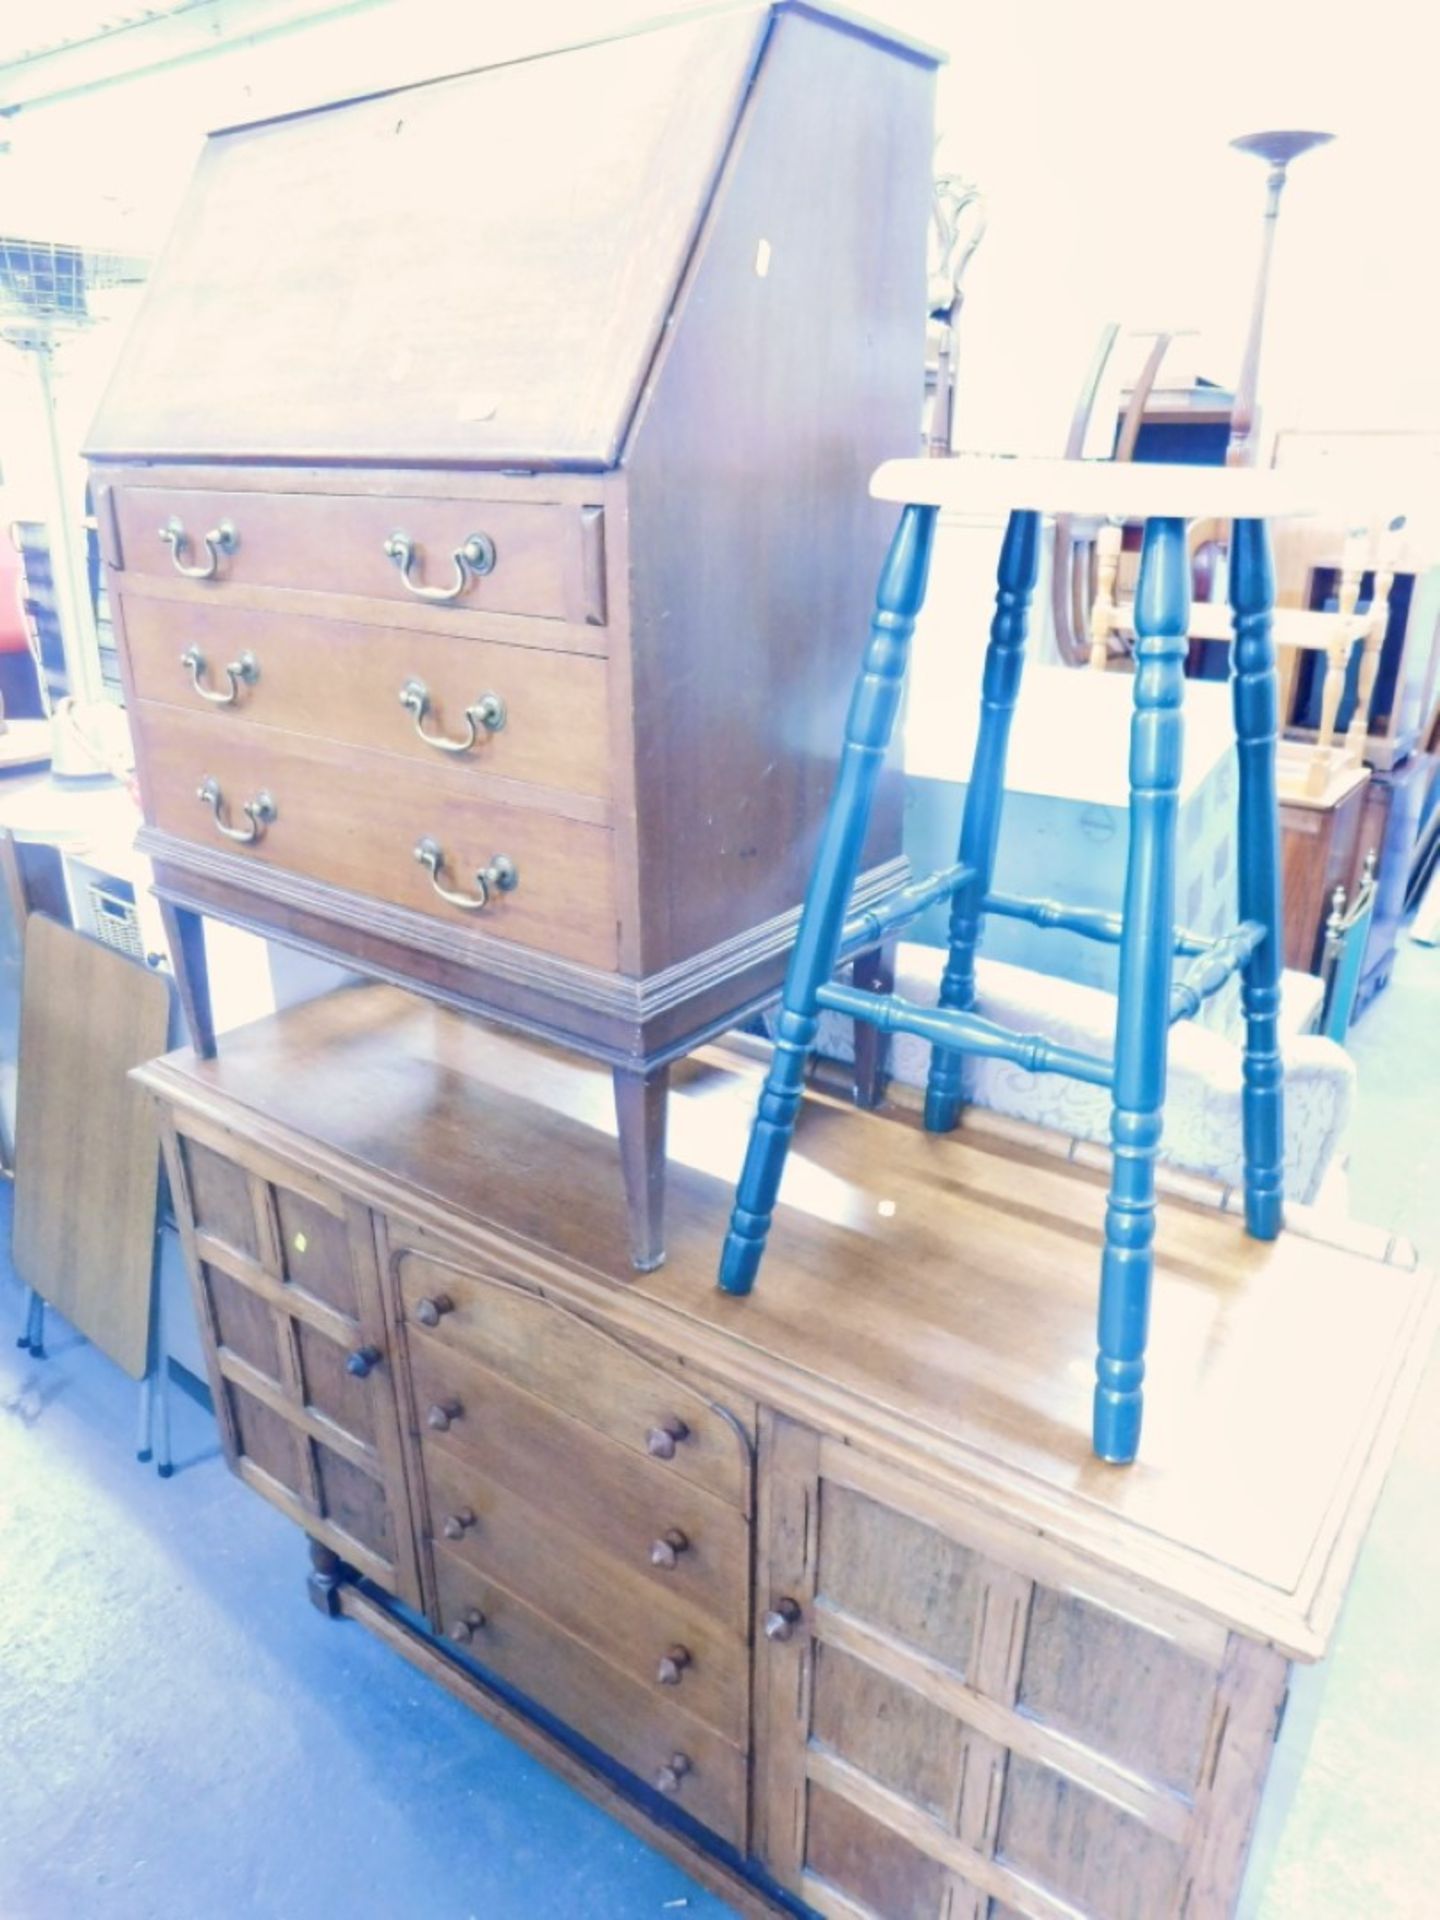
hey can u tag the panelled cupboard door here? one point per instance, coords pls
(951, 1725)
(287, 1290)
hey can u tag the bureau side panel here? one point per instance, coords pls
(793, 365)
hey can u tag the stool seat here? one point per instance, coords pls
(986, 483)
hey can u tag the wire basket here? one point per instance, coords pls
(46, 287)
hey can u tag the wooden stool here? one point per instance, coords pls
(1149, 999)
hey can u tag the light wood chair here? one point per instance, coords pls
(1307, 767)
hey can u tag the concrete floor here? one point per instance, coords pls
(183, 1736)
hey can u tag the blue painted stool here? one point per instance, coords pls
(1151, 998)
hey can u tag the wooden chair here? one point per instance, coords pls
(1150, 999)
(1307, 767)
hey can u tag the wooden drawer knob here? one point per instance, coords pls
(454, 1525)
(672, 1666)
(669, 1777)
(668, 1548)
(363, 1361)
(663, 1440)
(440, 1416)
(782, 1619)
(431, 1310)
(467, 1626)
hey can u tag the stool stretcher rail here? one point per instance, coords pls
(1205, 976)
(870, 927)
(964, 1033)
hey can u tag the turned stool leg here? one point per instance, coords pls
(1252, 593)
(1162, 618)
(873, 707)
(980, 826)
(641, 1101)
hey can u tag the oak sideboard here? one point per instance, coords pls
(821, 1590)
(482, 492)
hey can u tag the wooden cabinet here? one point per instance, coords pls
(488, 594)
(823, 1589)
(1323, 843)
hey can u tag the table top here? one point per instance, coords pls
(983, 483)
(931, 1298)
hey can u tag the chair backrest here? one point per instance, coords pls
(1347, 933)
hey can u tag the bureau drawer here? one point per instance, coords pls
(355, 819)
(664, 1422)
(643, 1733)
(632, 1614)
(541, 558)
(597, 1491)
(342, 681)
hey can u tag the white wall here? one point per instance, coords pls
(1098, 133)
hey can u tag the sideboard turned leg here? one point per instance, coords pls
(640, 1107)
(327, 1570)
(185, 932)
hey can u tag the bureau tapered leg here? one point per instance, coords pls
(874, 973)
(185, 932)
(641, 1102)
(984, 798)
(1142, 1019)
(1252, 593)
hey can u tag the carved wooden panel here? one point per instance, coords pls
(287, 1290)
(954, 1729)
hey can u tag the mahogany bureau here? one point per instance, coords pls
(483, 496)
(820, 1590)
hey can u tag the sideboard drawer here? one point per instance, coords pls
(620, 1501)
(355, 820)
(341, 681)
(664, 1422)
(541, 558)
(654, 1738)
(633, 1615)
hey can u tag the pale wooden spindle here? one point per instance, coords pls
(1104, 614)
(1337, 656)
(1357, 739)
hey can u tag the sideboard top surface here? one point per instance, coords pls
(477, 270)
(930, 1299)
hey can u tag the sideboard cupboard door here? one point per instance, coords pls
(287, 1291)
(953, 1725)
